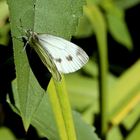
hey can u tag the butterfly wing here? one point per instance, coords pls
(67, 56)
(46, 59)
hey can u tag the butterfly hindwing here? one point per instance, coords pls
(46, 58)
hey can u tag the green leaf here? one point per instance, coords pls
(117, 26)
(3, 11)
(84, 28)
(114, 134)
(60, 18)
(82, 95)
(4, 26)
(135, 133)
(132, 118)
(6, 134)
(124, 91)
(28, 89)
(83, 130)
(126, 3)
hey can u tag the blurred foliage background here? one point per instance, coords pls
(107, 90)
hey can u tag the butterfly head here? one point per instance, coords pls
(31, 35)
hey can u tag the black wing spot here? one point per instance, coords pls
(69, 58)
(59, 60)
(79, 52)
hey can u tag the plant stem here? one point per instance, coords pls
(66, 109)
(97, 20)
(56, 107)
(62, 110)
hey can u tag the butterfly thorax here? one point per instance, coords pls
(32, 37)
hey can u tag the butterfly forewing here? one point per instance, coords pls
(67, 56)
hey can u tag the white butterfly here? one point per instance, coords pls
(57, 54)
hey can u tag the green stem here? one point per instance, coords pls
(56, 107)
(62, 110)
(66, 109)
(97, 20)
(103, 91)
